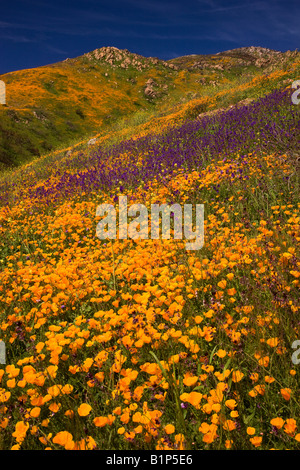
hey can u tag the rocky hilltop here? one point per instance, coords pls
(259, 57)
(125, 59)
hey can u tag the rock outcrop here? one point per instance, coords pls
(149, 90)
(124, 59)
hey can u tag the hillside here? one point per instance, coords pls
(135, 342)
(57, 105)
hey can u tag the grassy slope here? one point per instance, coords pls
(54, 106)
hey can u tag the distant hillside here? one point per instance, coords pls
(54, 106)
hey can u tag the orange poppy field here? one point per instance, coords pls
(140, 344)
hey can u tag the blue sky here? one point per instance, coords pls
(34, 33)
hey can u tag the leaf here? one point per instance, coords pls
(248, 418)
(212, 353)
(227, 364)
(160, 365)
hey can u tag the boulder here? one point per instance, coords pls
(92, 141)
